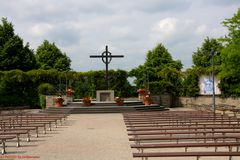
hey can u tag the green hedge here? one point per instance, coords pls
(18, 88)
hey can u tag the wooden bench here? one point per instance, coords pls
(223, 132)
(181, 118)
(15, 120)
(183, 124)
(24, 122)
(3, 141)
(175, 117)
(34, 117)
(183, 128)
(138, 139)
(21, 128)
(186, 154)
(187, 145)
(6, 125)
(179, 122)
(17, 133)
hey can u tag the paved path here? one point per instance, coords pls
(84, 137)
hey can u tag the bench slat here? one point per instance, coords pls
(185, 154)
(172, 145)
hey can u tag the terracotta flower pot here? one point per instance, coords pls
(58, 104)
(120, 103)
(87, 103)
(58, 101)
(69, 94)
(147, 103)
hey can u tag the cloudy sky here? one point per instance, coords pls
(81, 28)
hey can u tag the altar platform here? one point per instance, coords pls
(104, 107)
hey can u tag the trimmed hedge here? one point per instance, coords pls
(18, 88)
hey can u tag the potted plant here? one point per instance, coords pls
(87, 101)
(58, 101)
(147, 100)
(119, 101)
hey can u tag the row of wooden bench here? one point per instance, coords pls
(182, 129)
(14, 125)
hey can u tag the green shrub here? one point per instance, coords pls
(45, 89)
(42, 101)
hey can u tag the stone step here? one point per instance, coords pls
(127, 103)
(103, 109)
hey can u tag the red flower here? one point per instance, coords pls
(118, 99)
(87, 99)
(58, 99)
(69, 92)
(147, 98)
(141, 91)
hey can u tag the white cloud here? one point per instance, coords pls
(165, 27)
(201, 30)
(41, 29)
(120, 31)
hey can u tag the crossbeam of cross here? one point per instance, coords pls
(107, 58)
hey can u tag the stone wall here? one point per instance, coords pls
(190, 101)
(50, 102)
(169, 101)
(163, 99)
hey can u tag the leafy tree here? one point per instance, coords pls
(190, 83)
(202, 58)
(49, 56)
(160, 70)
(230, 71)
(233, 25)
(13, 54)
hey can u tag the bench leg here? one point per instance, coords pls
(50, 126)
(56, 123)
(37, 132)
(230, 157)
(198, 157)
(44, 129)
(3, 147)
(18, 141)
(28, 137)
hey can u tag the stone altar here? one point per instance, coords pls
(105, 95)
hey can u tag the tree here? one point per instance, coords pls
(160, 71)
(49, 56)
(190, 83)
(13, 54)
(230, 71)
(202, 58)
(233, 25)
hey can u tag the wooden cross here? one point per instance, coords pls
(107, 58)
